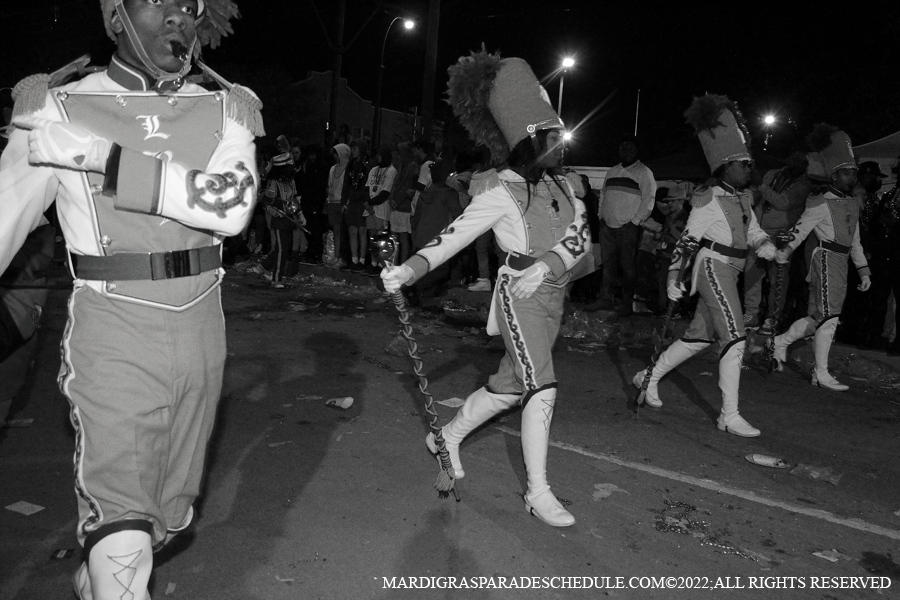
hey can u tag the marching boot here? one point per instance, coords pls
(797, 331)
(822, 345)
(674, 355)
(480, 406)
(730, 420)
(539, 500)
(118, 566)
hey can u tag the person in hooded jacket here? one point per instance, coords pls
(356, 198)
(336, 202)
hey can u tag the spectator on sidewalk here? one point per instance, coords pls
(401, 198)
(380, 184)
(438, 206)
(336, 201)
(625, 204)
(357, 199)
(780, 201)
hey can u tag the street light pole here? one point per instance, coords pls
(376, 121)
(566, 63)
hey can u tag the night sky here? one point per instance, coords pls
(794, 59)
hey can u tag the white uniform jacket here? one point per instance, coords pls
(550, 227)
(723, 215)
(157, 192)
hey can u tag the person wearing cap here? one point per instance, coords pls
(283, 206)
(723, 225)
(833, 214)
(626, 202)
(149, 174)
(781, 199)
(541, 227)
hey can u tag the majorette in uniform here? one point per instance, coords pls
(542, 228)
(833, 214)
(149, 174)
(722, 224)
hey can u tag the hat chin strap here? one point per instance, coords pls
(166, 82)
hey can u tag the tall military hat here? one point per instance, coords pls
(499, 101)
(721, 129)
(834, 146)
(213, 19)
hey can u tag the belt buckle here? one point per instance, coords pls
(181, 263)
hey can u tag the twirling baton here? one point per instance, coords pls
(384, 248)
(685, 247)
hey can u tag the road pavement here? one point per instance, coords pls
(305, 500)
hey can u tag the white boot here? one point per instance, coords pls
(480, 406)
(822, 346)
(799, 329)
(118, 567)
(674, 355)
(539, 500)
(730, 419)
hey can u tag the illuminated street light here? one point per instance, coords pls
(376, 125)
(567, 136)
(567, 63)
(768, 120)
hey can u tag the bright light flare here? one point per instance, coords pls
(567, 136)
(769, 119)
(568, 62)
(409, 24)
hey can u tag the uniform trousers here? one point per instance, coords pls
(143, 386)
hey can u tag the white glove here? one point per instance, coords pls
(866, 283)
(783, 256)
(675, 291)
(64, 145)
(394, 277)
(530, 280)
(766, 251)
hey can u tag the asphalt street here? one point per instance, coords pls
(306, 500)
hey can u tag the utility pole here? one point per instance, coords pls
(431, 45)
(337, 49)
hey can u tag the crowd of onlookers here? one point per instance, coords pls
(322, 207)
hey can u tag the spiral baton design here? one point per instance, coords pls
(445, 484)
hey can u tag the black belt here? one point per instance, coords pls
(725, 250)
(833, 247)
(131, 266)
(517, 261)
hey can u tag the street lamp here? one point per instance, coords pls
(376, 124)
(769, 120)
(567, 63)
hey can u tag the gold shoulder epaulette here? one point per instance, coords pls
(702, 196)
(244, 106)
(241, 104)
(484, 182)
(30, 94)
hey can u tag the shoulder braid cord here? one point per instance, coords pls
(445, 484)
(688, 247)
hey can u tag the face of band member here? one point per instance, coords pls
(844, 179)
(737, 173)
(551, 157)
(159, 24)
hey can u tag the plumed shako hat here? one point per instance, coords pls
(499, 101)
(720, 127)
(834, 146)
